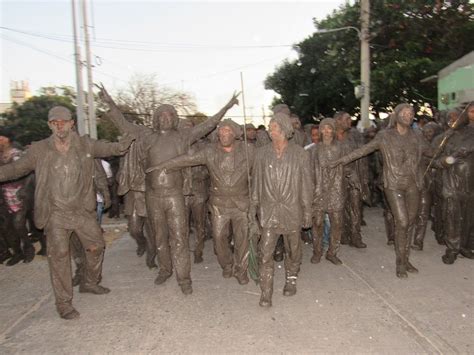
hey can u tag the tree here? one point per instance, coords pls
(410, 40)
(143, 95)
(28, 122)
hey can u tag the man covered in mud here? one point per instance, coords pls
(164, 190)
(65, 201)
(356, 184)
(229, 195)
(457, 163)
(281, 197)
(329, 190)
(430, 130)
(196, 195)
(402, 149)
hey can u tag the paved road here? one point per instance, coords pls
(357, 307)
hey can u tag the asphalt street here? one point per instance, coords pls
(358, 307)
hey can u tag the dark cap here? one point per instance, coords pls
(59, 113)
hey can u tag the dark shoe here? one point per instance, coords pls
(358, 244)
(334, 259)
(5, 256)
(417, 247)
(150, 261)
(344, 241)
(161, 278)
(265, 300)
(41, 252)
(448, 258)
(390, 242)
(94, 289)
(411, 268)
(15, 259)
(198, 258)
(467, 253)
(186, 289)
(76, 280)
(242, 279)
(29, 256)
(227, 272)
(290, 288)
(363, 223)
(141, 250)
(70, 314)
(316, 258)
(401, 271)
(278, 257)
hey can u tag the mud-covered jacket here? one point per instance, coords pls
(282, 188)
(329, 183)
(402, 155)
(229, 184)
(39, 158)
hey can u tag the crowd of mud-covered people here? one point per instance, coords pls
(259, 194)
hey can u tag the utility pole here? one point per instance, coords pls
(90, 83)
(365, 62)
(81, 126)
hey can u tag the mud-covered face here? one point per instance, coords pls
(295, 122)
(226, 136)
(429, 133)
(327, 132)
(275, 132)
(251, 133)
(166, 120)
(405, 116)
(61, 128)
(343, 122)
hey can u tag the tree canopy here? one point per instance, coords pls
(28, 122)
(409, 40)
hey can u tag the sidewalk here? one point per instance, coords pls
(359, 307)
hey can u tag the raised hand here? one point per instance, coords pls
(104, 95)
(234, 101)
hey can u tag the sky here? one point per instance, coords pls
(200, 47)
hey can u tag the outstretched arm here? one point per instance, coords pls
(103, 149)
(18, 168)
(116, 116)
(366, 149)
(182, 161)
(208, 125)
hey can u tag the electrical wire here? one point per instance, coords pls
(114, 43)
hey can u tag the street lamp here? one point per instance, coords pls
(364, 89)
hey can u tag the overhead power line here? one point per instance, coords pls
(144, 46)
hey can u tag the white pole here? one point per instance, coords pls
(90, 83)
(81, 126)
(365, 62)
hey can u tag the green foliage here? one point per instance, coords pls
(28, 122)
(410, 40)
